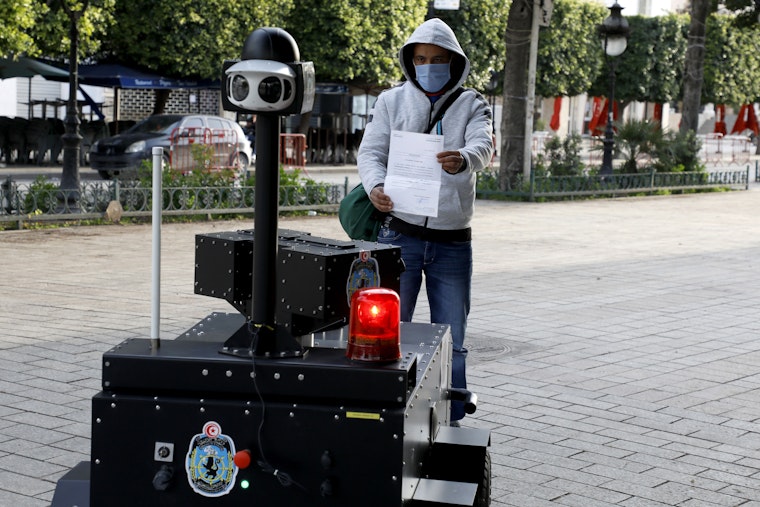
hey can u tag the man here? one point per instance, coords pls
(437, 248)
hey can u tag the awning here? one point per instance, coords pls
(119, 76)
(28, 67)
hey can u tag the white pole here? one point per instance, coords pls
(530, 105)
(157, 200)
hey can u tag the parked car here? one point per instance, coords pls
(121, 155)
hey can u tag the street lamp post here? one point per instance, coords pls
(493, 84)
(69, 194)
(614, 32)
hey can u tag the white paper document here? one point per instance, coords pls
(413, 181)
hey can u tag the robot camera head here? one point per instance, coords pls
(268, 79)
(260, 85)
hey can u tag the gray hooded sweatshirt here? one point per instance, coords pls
(466, 125)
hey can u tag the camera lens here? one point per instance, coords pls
(239, 88)
(270, 89)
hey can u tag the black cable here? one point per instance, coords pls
(282, 477)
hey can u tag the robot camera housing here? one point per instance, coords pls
(268, 86)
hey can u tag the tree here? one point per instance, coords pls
(748, 16)
(732, 62)
(513, 135)
(71, 26)
(650, 68)
(185, 38)
(669, 52)
(567, 64)
(52, 29)
(747, 12)
(480, 27)
(569, 49)
(694, 68)
(354, 42)
(17, 20)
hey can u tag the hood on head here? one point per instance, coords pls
(435, 31)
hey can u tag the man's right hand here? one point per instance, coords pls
(381, 200)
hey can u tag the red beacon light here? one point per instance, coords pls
(373, 328)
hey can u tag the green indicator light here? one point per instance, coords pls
(244, 484)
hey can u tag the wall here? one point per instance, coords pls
(138, 104)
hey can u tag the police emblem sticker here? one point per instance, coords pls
(364, 272)
(210, 468)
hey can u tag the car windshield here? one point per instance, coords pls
(153, 124)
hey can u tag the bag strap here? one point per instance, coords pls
(444, 107)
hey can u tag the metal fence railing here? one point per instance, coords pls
(47, 202)
(621, 184)
(715, 150)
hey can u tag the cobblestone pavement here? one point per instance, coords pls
(614, 345)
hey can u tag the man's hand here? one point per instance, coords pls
(451, 161)
(381, 200)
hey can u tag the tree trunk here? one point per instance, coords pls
(694, 68)
(515, 99)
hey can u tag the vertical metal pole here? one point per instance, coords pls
(531, 99)
(155, 292)
(71, 138)
(609, 134)
(266, 210)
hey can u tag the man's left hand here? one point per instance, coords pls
(451, 161)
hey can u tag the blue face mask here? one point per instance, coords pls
(433, 77)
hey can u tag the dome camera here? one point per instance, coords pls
(268, 86)
(260, 85)
(269, 78)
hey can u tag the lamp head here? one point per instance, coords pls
(614, 32)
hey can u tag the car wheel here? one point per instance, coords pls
(105, 175)
(243, 162)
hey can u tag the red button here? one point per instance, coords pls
(242, 459)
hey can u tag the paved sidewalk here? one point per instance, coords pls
(614, 345)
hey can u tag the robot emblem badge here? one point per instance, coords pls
(364, 272)
(210, 468)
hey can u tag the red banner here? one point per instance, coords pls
(554, 124)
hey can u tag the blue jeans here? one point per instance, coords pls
(447, 269)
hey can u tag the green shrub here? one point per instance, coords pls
(42, 196)
(562, 157)
(636, 138)
(678, 152)
(297, 190)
